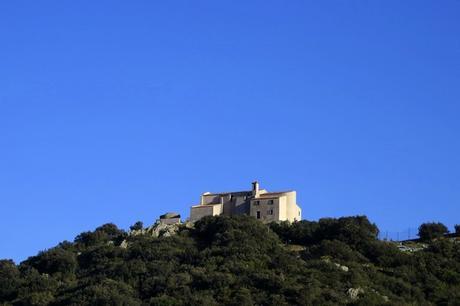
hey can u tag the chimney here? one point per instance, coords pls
(255, 189)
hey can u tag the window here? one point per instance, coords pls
(270, 202)
(270, 211)
(258, 214)
(256, 202)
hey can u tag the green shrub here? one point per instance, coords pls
(238, 261)
(430, 231)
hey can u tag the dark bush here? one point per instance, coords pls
(9, 280)
(56, 260)
(137, 226)
(430, 231)
(238, 261)
(103, 234)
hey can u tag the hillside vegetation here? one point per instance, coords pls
(237, 261)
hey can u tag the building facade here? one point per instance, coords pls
(259, 203)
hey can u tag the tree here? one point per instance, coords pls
(56, 260)
(457, 229)
(9, 280)
(239, 261)
(137, 226)
(102, 234)
(432, 230)
(105, 292)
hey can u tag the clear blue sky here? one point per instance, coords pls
(118, 111)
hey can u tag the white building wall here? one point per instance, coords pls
(284, 206)
(282, 210)
(200, 211)
(293, 212)
(209, 199)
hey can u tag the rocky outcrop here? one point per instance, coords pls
(341, 267)
(158, 229)
(354, 293)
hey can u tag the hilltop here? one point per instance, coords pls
(236, 261)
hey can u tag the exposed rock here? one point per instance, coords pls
(162, 229)
(158, 229)
(384, 297)
(354, 293)
(124, 244)
(295, 248)
(411, 247)
(328, 260)
(343, 268)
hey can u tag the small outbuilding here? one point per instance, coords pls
(170, 218)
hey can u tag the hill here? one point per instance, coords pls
(236, 261)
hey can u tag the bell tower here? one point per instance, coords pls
(255, 189)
